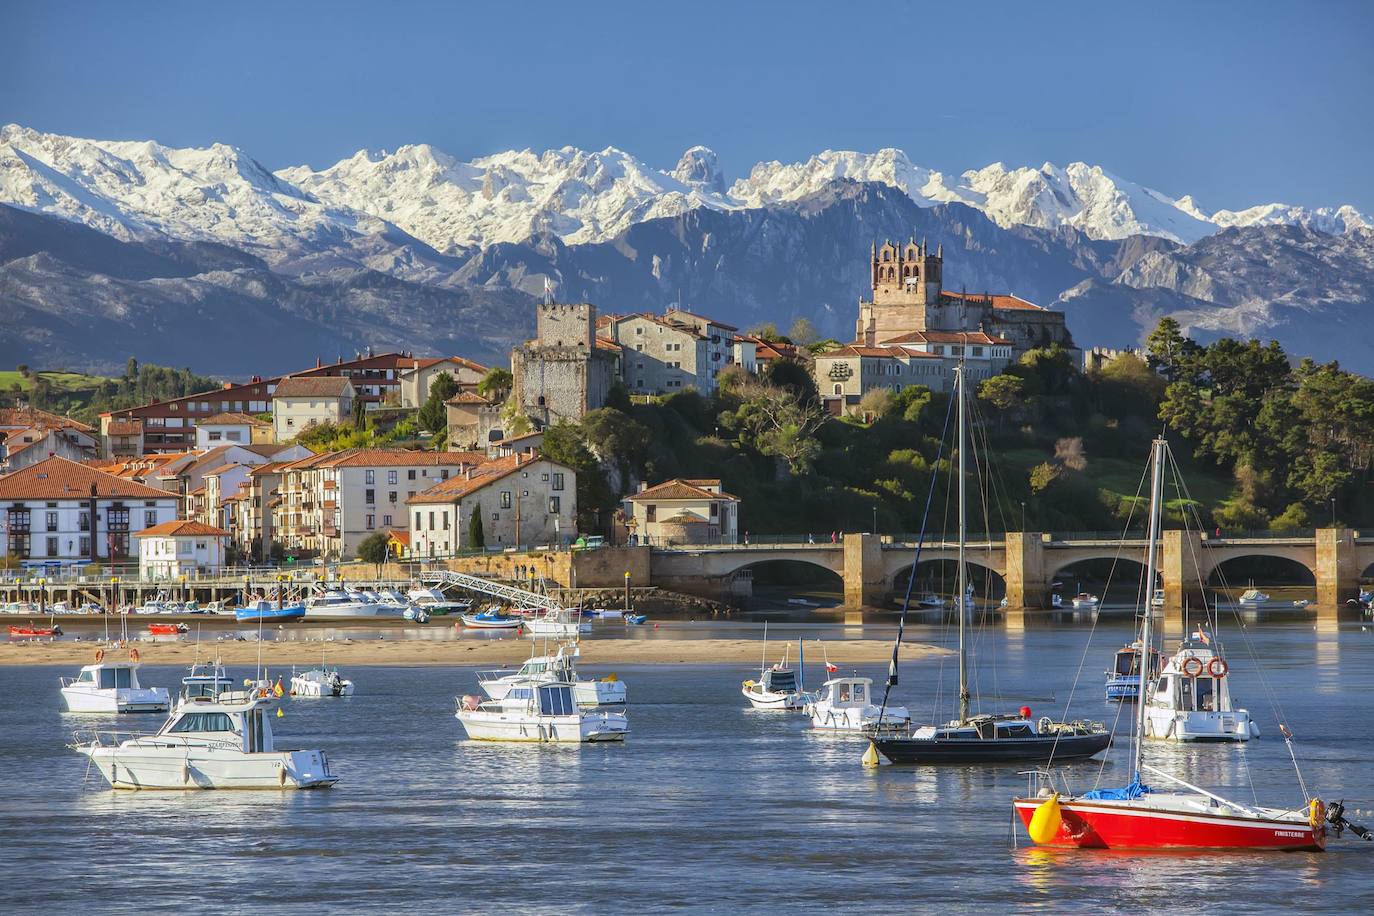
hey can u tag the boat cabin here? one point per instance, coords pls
(546, 699)
(1195, 679)
(1127, 663)
(845, 692)
(107, 676)
(240, 718)
(986, 727)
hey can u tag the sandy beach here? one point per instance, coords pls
(417, 652)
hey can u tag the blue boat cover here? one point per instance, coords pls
(1134, 790)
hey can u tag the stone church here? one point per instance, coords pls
(908, 296)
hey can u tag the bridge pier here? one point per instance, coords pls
(1027, 584)
(1180, 571)
(1337, 572)
(865, 583)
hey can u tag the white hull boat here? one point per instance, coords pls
(1086, 602)
(558, 668)
(224, 743)
(843, 706)
(340, 606)
(318, 682)
(1191, 699)
(778, 686)
(112, 688)
(543, 713)
(559, 623)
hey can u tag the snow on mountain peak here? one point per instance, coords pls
(127, 188)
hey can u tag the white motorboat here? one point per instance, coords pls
(321, 682)
(843, 706)
(491, 619)
(1085, 602)
(1157, 599)
(220, 743)
(432, 600)
(778, 686)
(112, 687)
(560, 623)
(561, 667)
(540, 712)
(1056, 600)
(931, 600)
(338, 604)
(1191, 699)
(1252, 597)
(18, 607)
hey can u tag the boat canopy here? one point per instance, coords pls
(780, 680)
(1126, 793)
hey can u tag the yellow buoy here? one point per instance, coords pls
(280, 714)
(871, 755)
(1044, 823)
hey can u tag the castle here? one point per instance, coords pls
(908, 296)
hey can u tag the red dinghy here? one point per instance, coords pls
(35, 631)
(167, 629)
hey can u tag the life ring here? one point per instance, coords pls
(1316, 815)
(1192, 666)
(133, 655)
(99, 655)
(1217, 667)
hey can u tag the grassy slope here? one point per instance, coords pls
(60, 381)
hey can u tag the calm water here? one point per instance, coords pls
(708, 806)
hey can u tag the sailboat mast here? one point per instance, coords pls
(961, 599)
(1151, 542)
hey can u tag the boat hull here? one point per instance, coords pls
(583, 728)
(1122, 689)
(1036, 749)
(116, 701)
(1103, 825)
(783, 701)
(1168, 725)
(207, 768)
(472, 622)
(311, 689)
(295, 612)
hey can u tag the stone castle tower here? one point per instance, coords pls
(906, 275)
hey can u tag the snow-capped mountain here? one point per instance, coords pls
(129, 189)
(126, 188)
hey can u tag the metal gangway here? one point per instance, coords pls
(516, 596)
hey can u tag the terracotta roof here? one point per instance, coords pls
(467, 397)
(687, 518)
(322, 386)
(857, 350)
(425, 362)
(220, 470)
(265, 449)
(61, 478)
(124, 427)
(678, 489)
(702, 481)
(949, 337)
(181, 528)
(388, 457)
(271, 467)
(198, 491)
(999, 300)
(605, 343)
(399, 535)
(41, 419)
(232, 418)
(484, 474)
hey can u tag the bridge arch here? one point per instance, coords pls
(1263, 569)
(940, 575)
(1112, 578)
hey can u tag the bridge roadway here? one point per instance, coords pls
(1026, 561)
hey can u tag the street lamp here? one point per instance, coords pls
(1023, 516)
(1333, 512)
(875, 519)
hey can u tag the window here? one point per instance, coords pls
(391, 497)
(52, 546)
(370, 496)
(115, 677)
(369, 477)
(410, 475)
(386, 521)
(417, 521)
(505, 499)
(443, 475)
(214, 437)
(85, 547)
(977, 351)
(651, 513)
(202, 722)
(554, 505)
(496, 516)
(232, 435)
(391, 478)
(444, 518)
(371, 522)
(52, 521)
(149, 518)
(431, 521)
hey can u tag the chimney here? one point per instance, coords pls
(318, 362)
(643, 485)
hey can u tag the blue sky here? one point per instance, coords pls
(1235, 103)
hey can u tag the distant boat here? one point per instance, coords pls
(532, 711)
(27, 632)
(1085, 602)
(637, 619)
(321, 682)
(168, 629)
(1123, 680)
(491, 620)
(778, 686)
(109, 686)
(263, 610)
(560, 667)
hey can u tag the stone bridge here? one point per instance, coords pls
(1028, 562)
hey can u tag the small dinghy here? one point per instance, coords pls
(168, 629)
(637, 620)
(491, 620)
(27, 632)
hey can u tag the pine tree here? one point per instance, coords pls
(477, 538)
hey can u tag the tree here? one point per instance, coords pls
(803, 332)
(1006, 393)
(496, 384)
(131, 370)
(767, 331)
(875, 403)
(373, 548)
(433, 416)
(778, 423)
(793, 376)
(1170, 353)
(477, 538)
(24, 370)
(1069, 453)
(566, 443)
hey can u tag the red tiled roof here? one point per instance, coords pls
(120, 427)
(60, 478)
(32, 417)
(480, 476)
(386, 457)
(605, 343)
(220, 470)
(425, 362)
(181, 528)
(999, 300)
(467, 397)
(678, 489)
(232, 418)
(949, 337)
(399, 535)
(321, 386)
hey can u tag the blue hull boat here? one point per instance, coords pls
(266, 610)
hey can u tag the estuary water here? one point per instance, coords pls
(708, 806)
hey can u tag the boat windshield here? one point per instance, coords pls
(851, 693)
(203, 722)
(556, 701)
(115, 677)
(1127, 662)
(782, 681)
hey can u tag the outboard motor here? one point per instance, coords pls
(1335, 816)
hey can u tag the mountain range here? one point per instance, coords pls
(208, 258)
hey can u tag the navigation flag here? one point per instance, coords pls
(277, 688)
(831, 669)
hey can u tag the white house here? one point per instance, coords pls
(231, 429)
(301, 402)
(60, 511)
(683, 512)
(180, 548)
(522, 499)
(415, 382)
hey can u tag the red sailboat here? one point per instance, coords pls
(1183, 817)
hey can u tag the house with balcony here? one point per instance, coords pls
(683, 511)
(60, 512)
(180, 548)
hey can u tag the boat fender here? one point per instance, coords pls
(185, 773)
(99, 655)
(749, 683)
(1045, 822)
(133, 655)
(281, 776)
(1217, 667)
(1316, 812)
(1192, 666)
